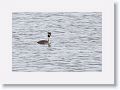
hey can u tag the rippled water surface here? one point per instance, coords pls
(76, 41)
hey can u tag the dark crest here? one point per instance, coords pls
(49, 34)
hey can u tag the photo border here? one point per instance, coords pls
(104, 77)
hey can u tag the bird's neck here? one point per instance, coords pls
(48, 39)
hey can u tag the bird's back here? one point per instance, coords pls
(42, 42)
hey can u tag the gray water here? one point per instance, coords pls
(76, 41)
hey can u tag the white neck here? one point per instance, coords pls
(48, 39)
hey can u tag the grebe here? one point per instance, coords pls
(45, 41)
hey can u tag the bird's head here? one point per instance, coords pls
(49, 34)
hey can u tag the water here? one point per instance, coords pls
(76, 42)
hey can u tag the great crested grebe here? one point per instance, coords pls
(45, 41)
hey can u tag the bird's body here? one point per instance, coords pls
(42, 42)
(45, 41)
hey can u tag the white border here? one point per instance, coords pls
(104, 77)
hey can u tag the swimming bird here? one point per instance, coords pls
(45, 41)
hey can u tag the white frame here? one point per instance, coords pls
(104, 77)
